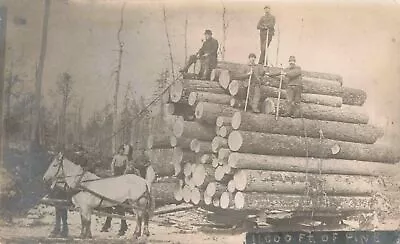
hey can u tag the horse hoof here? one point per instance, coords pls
(121, 233)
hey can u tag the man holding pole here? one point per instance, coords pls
(253, 75)
(266, 25)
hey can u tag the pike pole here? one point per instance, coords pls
(279, 94)
(248, 89)
(266, 49)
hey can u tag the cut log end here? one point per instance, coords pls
(335, 149)
(195, 196)
(173, 141)
(240, 179)
(177, 169)
(199, 175)
(187, 169)
(199, 110)
(236, 120)
(178, 128)
(211, 189)
(234, 87)
(176, 91)
(220, 121)
(231, 186)
(178, 195)
(192, 98)
(224, 79)
(224, 200)
(216, 202)
(207, 199)
(235, 141)
(187, 193)
(194, 144)
(239, 200)
(223, 154)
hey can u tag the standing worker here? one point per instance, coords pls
(266, 25)
(118, 167)
(207, 55)
(256, 72)
(293, 77)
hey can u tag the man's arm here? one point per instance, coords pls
(293, 72)
(260, 24)
(113, 165)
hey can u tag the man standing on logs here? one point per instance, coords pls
(266, 25)
(294, 86)
(255, 74)
(207, 55)
(118, 167)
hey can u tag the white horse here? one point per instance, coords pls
(130, 191)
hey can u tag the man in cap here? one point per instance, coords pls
(207, 55)
(256, 72)
(266, 25)
(293, 76)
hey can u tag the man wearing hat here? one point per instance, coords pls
(266, 25)
(256, 72)
(294, 86)
(207, 55)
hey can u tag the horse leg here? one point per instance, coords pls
(138, 229)
(83, 226)
(124, 226)
(107, 224)
(57, 225)
(64, 218)
(146, 231)
(86, 215)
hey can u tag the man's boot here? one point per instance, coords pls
(64, 232)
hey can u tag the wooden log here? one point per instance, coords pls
(161, 161)
(158, 141)
(297, 183)
(177, 169)
(215, 74)
(310, 165)
(352, 96)
(180, 90)
(224, 131)
(193, 130)
(221, 175)
(182, 156)
(231, 186)
(215, 188)
(196, 97)
(361, 133)
(226, 200)
(195, 196)
(223, 153)
(215, 163)
(187, 169)
(169, 108)
(178, 195)
(331, 78)
(201, 147)
(203, 175)
(187, 193)
(223, 121)
(269, 201)
(224, 78)
(215, 202)
(237, 103)
(181, 142)
(206, 158)
(189, 181)
(282, 145)
(218, 143)
(318, 112)
(163, 190)
(209, 112)
(207, 199)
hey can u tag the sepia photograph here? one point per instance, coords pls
(217, 121)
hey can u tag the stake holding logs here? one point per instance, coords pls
(297, 183)
(196, 97)
(309, 165)
(318, 112)
(209, 112)
(282, 145)
(180, 90)
(360, 133)
(259, 201)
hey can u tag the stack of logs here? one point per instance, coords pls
(223, 157)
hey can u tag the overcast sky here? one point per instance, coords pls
(357, 39)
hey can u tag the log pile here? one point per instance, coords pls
(225, 158)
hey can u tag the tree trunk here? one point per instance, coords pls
(196, 97)
(158, 141)
(223, 121)
(162, 161)
(180, 90)
(297, 183)
(209, 112)
(218, 143)
(268, 201)
(352, 96)
(360, 133)
(331, 78)
(193, 130)
(203, 175)
(181, 142)
(224, 131)
(282, 145)
(318, 112)
(310, 165)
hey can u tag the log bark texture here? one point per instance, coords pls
(193, 129)
(196, 97)
(209, 112)
(318, 112)
(282, 145)
(183, 156)
(360, 133)
(181, 142)
(223, 121)
(180, 90)
(218, 143)
(158, 141)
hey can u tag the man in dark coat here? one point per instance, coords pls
(59, 192)
(207, 55)
(266, 25)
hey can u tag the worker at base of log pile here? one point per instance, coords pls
(118, 167)
(207, 55)
(294, 88)
(60, 192)
(266, 25)
(256, 73)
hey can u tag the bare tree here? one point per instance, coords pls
(117, 80)
(186, 27)
(169, 43)
(225, 25)
(64, 89)
(39, 73)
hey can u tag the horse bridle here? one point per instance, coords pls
(61, 167)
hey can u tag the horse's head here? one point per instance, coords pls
(55, 169)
